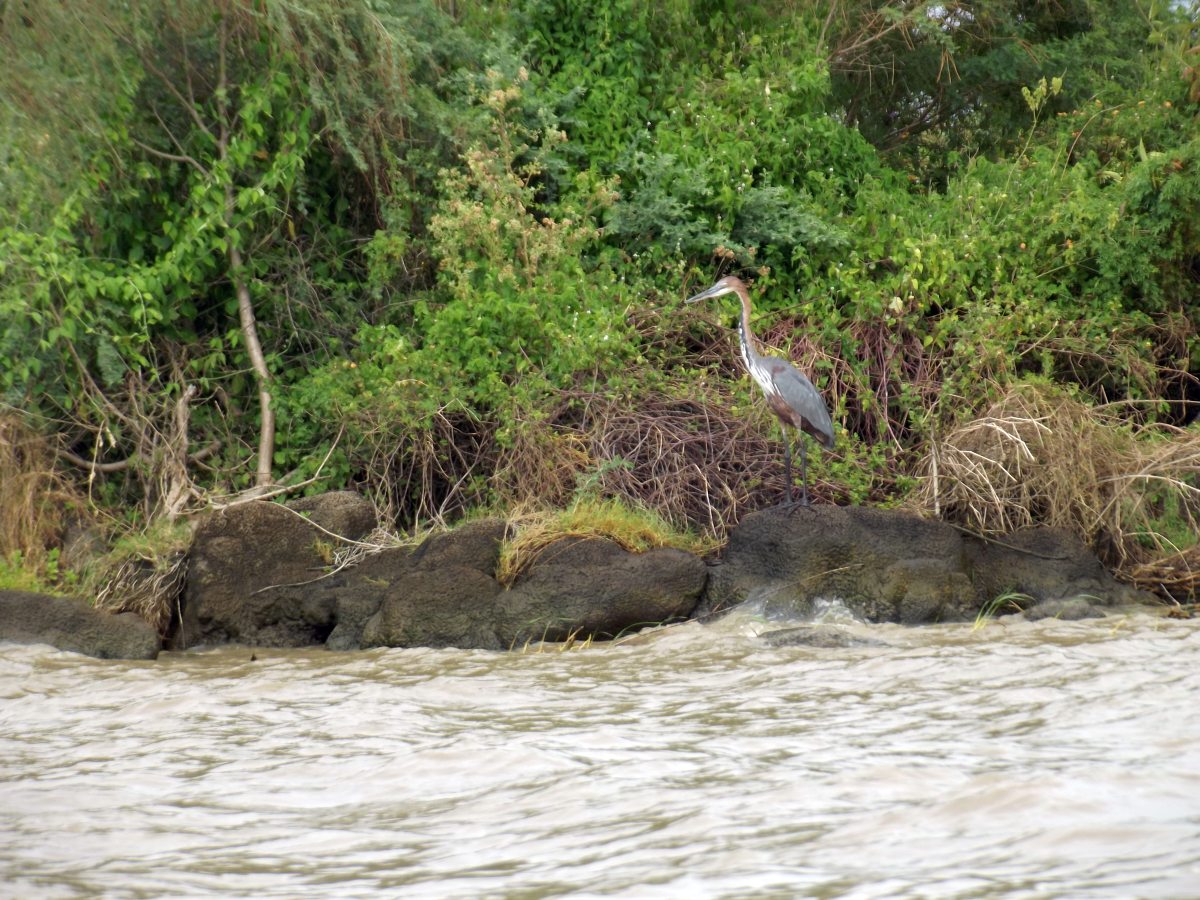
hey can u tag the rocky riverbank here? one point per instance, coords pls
(259, 574)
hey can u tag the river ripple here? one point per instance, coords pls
(1048, 759)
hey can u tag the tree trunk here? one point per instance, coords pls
(266, 431)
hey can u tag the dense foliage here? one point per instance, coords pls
(437, 250)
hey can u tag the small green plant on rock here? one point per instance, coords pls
(1012, 601)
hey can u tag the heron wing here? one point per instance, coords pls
(796, 401)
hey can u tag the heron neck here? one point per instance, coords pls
(744, 332)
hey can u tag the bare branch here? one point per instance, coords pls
(96, 467)
(173, 157)
(260, 493)
(121, 465)
(189, 107)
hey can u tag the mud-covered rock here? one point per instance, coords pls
(1045, 564)
(440, 607)
(440, 595)
(886, 566)
(359, 591)
(588, 588)
(916, 591)
(472, 545)
(821, 636)
(71, 624)
(260, 574)
(1070, 609)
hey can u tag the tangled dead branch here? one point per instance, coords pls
(146, 584)
(696, 462)
(429, 474)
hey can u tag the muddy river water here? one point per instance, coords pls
(1047, 759)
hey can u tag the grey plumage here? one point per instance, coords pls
(791, 396)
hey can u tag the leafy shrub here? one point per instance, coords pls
(526, 303)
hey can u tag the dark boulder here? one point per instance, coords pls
(257, 573)
(595, 588)
(71, 624)
(892, 566)
(1052, 568)
(445, 595)
(345, 513)
(472, 545)
(359, 591)
(441, 595)
(884, 565)
(1067, 610)
(260, 574)
(436, 608)
(826, 637)
(253, 578)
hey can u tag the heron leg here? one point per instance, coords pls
(803, 471)
(788, 490)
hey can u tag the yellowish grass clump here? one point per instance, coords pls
(1039, 455)
(634, 528)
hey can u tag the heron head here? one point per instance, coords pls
(727, 285)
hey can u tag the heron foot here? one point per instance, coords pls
(791, 505)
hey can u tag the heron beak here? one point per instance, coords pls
(711, 292)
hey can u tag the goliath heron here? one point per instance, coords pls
(790, 395)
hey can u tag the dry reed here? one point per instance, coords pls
(1040, 456)
(35, 499)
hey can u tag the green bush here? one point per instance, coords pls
(456, 220)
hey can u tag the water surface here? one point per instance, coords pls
(1048, 759)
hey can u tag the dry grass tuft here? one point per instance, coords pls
(573, 642)
(1040, 456)
(35, 499)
